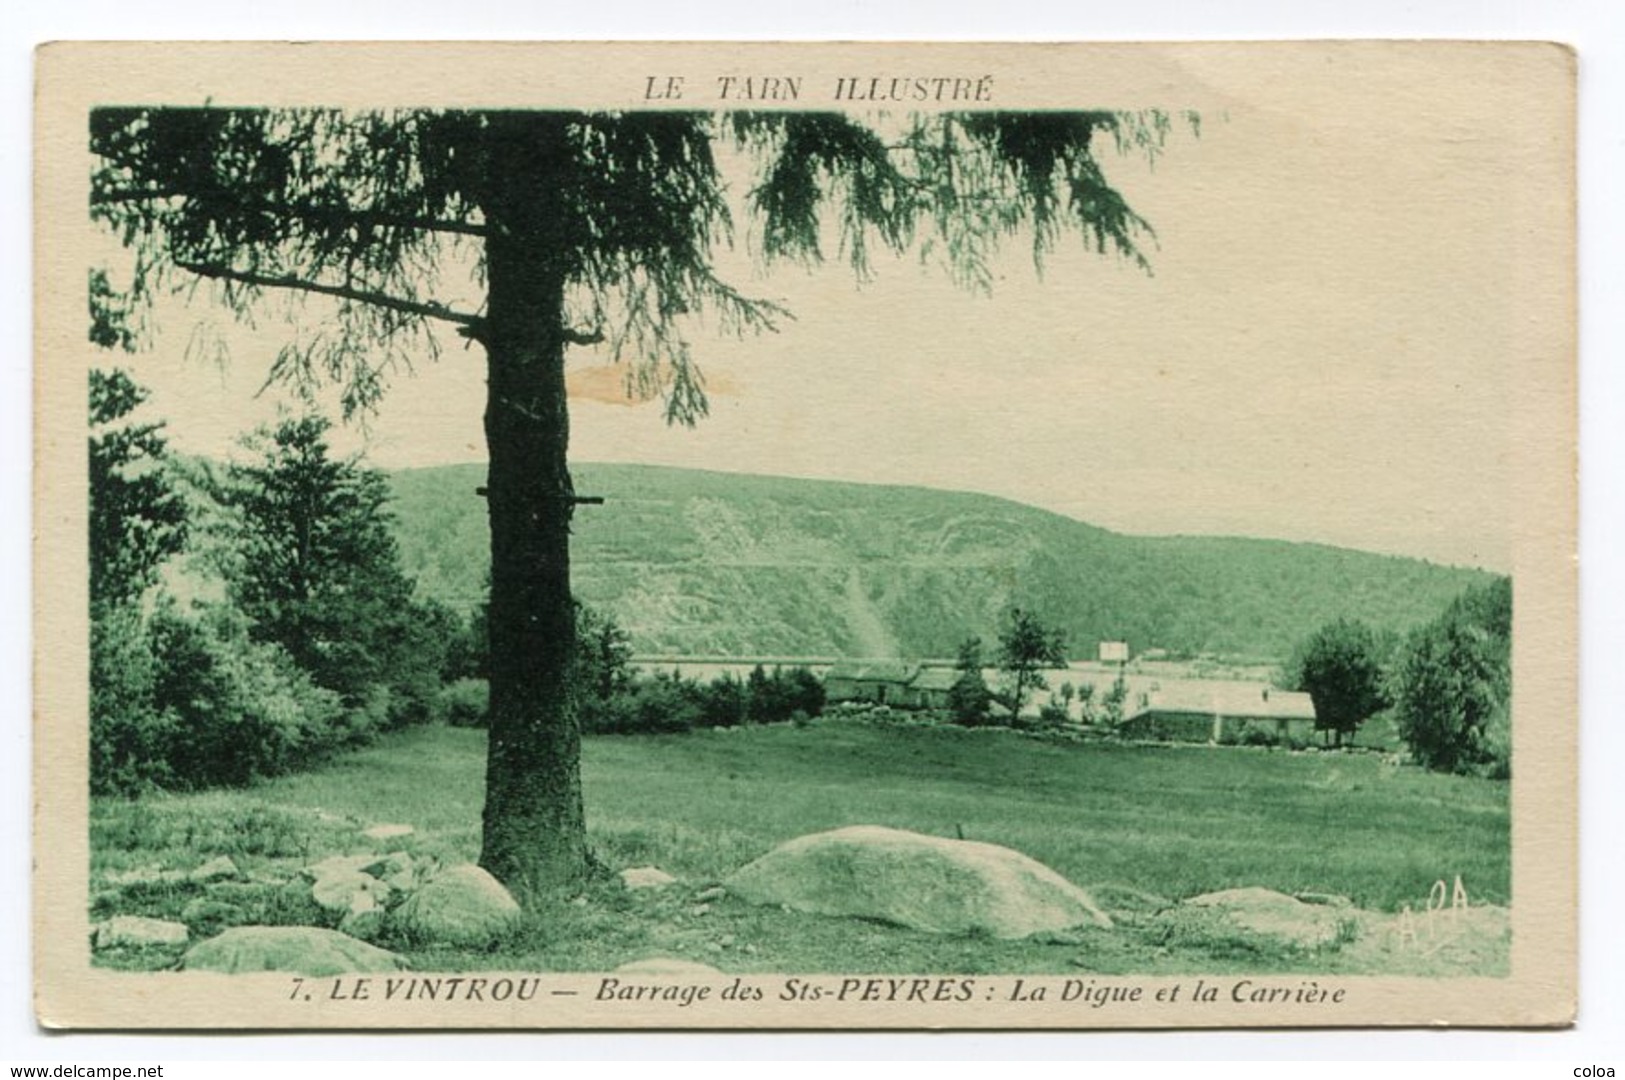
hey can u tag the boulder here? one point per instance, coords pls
(665, 965)
(303, 950)
(349, 892)
(925, 882)
(335, 865)
(461, 906)
(646, 877)
(219, 868)
(138, 930)
(1273, 917)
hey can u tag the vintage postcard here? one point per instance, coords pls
(805, 536)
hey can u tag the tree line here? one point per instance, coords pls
(299, 633)
(1447, 685)
(291, 631)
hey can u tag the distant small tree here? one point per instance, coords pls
(1340, 667)
(1026, 646)
(603, 654)
(774, 697)
(968, 697)
(760, 700)
(1112, 703)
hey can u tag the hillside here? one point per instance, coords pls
(701, 563)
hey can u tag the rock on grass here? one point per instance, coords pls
(1272, 917)
(138, 930)
(925, 882)
(464, 905)
(302, 950)
(646, 877)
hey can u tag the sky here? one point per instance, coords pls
(1323, 351)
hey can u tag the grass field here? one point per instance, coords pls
(1168, 821)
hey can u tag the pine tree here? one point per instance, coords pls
(315, 567)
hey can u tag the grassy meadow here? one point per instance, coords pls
(1130, 821)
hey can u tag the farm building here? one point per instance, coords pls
(930, 687)
(884, 682)
(1214, 711)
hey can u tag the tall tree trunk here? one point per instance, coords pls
(535, 838)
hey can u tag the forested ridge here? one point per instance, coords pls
(703, 563)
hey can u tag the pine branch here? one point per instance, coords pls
(115, 196)
(474, 325)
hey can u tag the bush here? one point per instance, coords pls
(660, 705)
(723, 702)
(463, 703)
(240, 709)
(774, 697)
(1052, 716)
(667, 702)
(188, 701)
(1258, 736)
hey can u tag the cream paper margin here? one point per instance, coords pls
(1539, 243)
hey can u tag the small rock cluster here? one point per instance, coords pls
(346, 900)
(348, 903)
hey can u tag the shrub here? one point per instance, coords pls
(774, 697)
(463, 703)
(240, 709)
(666, 702)
(1258, 736)
(722, 701)
(188, 701)
(662, 704)
(1052, 716)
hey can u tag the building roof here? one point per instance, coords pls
(936, 678)
(1216, 698)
